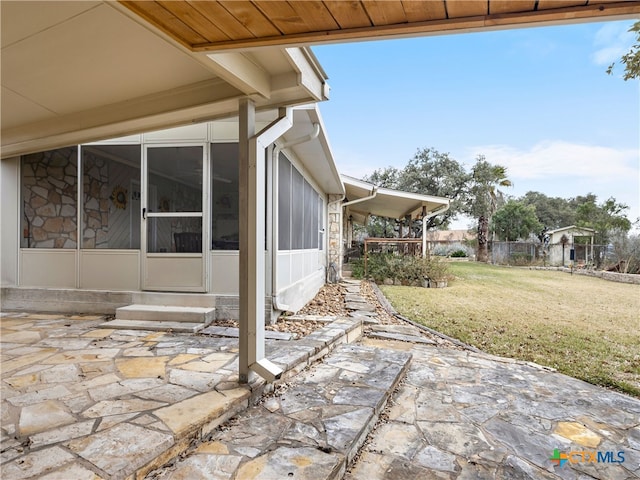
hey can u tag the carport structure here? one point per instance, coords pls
(364, 199)
(77, 72)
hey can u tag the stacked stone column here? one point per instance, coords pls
(335, 237)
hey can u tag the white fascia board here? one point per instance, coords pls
(413, 196)
(242, 73)
(334, 184)
(572, 227)
(366, 186)
(311, 77)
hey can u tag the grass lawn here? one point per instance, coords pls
(584, 327)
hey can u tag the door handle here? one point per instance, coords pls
(144, 213)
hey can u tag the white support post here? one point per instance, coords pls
(249, 343)
(252, 239)
(424, 231)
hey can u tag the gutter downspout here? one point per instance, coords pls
(424, 227)
(274, 201)
(374, 192)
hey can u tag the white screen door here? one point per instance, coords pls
(173, 218)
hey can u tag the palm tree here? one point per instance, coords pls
(485, 199)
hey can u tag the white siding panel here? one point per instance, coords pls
(284, 271)
(225, 267)
(189, 133)
(9, 188)
(110, 269)
(179, 273)
(129, 139)
(297, 265)
(48, 268)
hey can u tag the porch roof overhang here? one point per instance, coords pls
(237, 25)
(573, 231)
(78, 72)
(384, 202)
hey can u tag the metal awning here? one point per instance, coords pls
(364, 199)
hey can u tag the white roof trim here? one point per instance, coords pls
(315, 155)
(388, 202)
(572, 227)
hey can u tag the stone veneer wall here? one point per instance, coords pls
(335, 243)
(49, 199)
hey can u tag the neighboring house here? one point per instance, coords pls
(445, 238)
(570, 251)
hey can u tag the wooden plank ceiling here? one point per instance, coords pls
(238, 24)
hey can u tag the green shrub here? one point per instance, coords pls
(357, 268)
(405, 270)
(458, 254)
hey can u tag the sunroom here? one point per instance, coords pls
(114, 222)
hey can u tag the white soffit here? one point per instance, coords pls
(94, 58)
(77, 72)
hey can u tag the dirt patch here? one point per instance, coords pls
(329, 301)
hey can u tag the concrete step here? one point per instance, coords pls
(175, 298)
(166, 313)
(310, 429)
(154, 326)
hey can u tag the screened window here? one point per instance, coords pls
(225, 227)
(49, 199)
(284, 203)
(320, 223)
(111, 196)
(299, 210)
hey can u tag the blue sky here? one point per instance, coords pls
(537, 101)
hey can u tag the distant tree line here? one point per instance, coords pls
(478, 192)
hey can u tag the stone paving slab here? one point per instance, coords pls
(354, 297)
(400, 337)
(154, 325)
(352, 288)
(463, 415)
(361, 306)
(234, 332)
(83, 401)
(400, 329)
(311, 428)
(75, 395)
